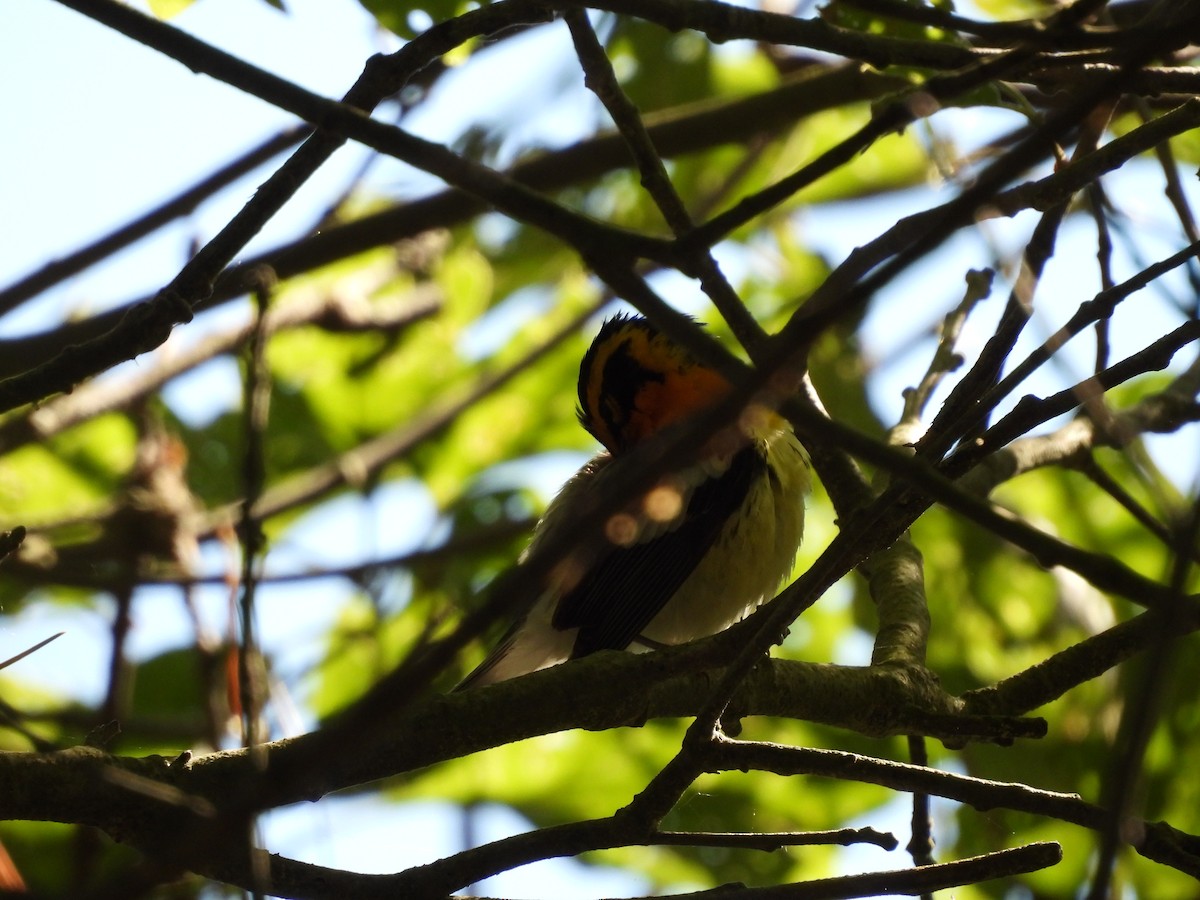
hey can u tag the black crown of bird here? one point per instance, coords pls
(689, 557)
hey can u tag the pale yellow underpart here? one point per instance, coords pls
(750, 559)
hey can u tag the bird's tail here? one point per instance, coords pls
(526, 648)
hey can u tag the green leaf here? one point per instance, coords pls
(401, 16)
(169, 691)
(168, 9)
(69, 475)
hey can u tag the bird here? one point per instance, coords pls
(690, 556)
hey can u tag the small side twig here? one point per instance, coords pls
(775, 840)
(36, 647)
(257, 405)
(963, 414)
(946, 358)
(1142, 708)
(923, 881)
(920, 843)
(602, 80)
(1103, 480)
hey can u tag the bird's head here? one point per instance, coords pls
(634, 381)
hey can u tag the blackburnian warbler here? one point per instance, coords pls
(689, 557)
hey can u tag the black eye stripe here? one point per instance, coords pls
(622, 378)
(610, 376)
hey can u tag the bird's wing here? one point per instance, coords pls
(627, 587)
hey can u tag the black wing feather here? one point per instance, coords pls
(627, 588)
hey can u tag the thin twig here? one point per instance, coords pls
(256, 399)
(1032, 411)
(920, 844)
(311, 882)
(1143, 706)
(1098, 309)
(36, 647)
(945, 358)
(1107, 483)
(1104, 249)
(601, 79)
(333, 313)
(774, 840)
(923, 881)
(962, 415)
(362, 462)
